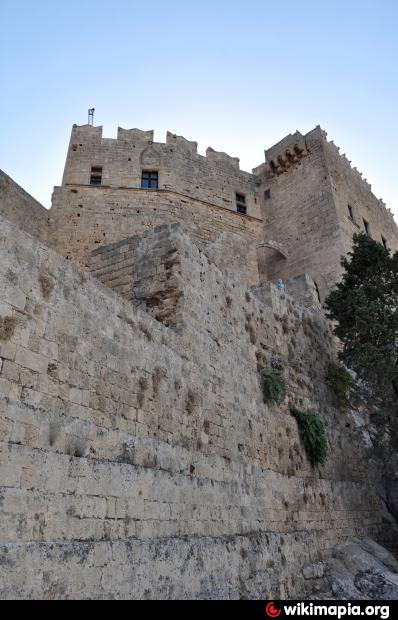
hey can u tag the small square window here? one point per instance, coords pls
(149, 179)
(267, 194)
(367, 227)
(96, 175)
(241, 209)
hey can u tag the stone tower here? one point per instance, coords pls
(295, 214)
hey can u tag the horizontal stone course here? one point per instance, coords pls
(125, 443)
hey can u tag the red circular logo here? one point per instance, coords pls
(272, 611)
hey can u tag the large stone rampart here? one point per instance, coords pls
(139, 461)
(19, 207)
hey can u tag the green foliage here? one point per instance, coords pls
(274, 386)
(340, 381)
(364, 307)
(313, 436)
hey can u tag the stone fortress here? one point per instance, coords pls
(138, 458)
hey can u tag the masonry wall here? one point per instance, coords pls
(21, 208)
(351, 189)
(214, 179)
(157, 287)
(85, 218)
(305, 195)
(138, 461)
(195, 190)
(297, 203)
(300, 213)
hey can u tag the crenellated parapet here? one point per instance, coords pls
(120, 162)
(223, 158)
(301, 206)
(286, 154)
(83, 134)
(181, 143)
(135, 136)
(357, 176)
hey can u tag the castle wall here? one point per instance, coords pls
(84, 218)
(141, 462)
(300, 214)
(307, 211)
(350, 189)
(213, 179)
(21, 208)
(194, 190)
(156, 289)
(297, 203)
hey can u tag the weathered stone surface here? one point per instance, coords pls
(302, 206)
(392, 485)
(137, 456)
(19, 207)
(360, 570)
(138, 461)
(306, 210)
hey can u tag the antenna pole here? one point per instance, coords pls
(91, 116)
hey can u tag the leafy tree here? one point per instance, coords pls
(364, 306)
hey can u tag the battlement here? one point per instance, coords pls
(285, 154)
(134, 137)
(182, 143)
(358, 175)
(295, 213)
(279, 158)
(214, 178)
(140, 455)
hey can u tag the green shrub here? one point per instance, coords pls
(274, 386)
(313, 436)
(340, 381)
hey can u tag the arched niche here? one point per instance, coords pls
(150, 157)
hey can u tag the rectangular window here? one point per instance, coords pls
(96, 175)
(384, 242)
(241, 206)
(150, 179)
(350, 212)
(267, 194)
(367, 227)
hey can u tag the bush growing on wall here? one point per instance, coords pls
(313, 436)
(274, 386)
(340, 381)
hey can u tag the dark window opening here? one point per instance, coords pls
(149, 180)
(367, 227)
(241, 206)
(350, 212)
(267, 194)
(384, 242)
(96, 175)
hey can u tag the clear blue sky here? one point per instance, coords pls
(237, 76)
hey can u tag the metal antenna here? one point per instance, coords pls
(91, 116)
